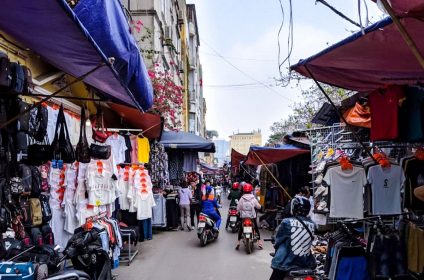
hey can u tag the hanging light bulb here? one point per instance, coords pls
(88, 123)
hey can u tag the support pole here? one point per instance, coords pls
(272, 175)
(404, 33)
(367, 150)
(80, 78)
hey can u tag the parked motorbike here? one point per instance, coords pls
(250, 235)
(234, 220)
(298, 273)
(206, 230)
(90, 261)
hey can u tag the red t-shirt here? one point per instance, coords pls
(384, 105)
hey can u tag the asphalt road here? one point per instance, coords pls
(178, 255)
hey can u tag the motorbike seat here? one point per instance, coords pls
(69, 274)
(302, 272)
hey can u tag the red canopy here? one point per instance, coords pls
(407, 8)
(367, 62)
(267, 155)
(236, 158)
(150, 123)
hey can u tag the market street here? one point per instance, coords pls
(178, 255)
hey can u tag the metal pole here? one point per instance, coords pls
(404, 33)
(341, 115)
(80, 78)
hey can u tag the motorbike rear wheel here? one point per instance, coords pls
(234, 229)
(249, 246)
(203, 239)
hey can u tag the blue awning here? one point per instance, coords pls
(186, 141)
(53, 31)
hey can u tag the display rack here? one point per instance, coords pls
(128, 254)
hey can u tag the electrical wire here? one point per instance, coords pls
(290, 43)
(338, 12)
(246, 74)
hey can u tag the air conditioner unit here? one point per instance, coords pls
(180, 17)
(168, 32)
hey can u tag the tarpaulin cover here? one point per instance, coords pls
(267, 155)
(407, 7)
(236, 158)
(186, 141)
(151, 124)
(207, 169)
(51, 29)
(367, 62)
(107, 24)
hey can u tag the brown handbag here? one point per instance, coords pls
(83, 150)
(100, 134)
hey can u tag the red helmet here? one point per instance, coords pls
(247, 188)
(236, 186)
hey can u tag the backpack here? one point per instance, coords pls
(5, 72)
(28, 79)
(38, 123)
(23, 120)
(48, 236)
(45, 208)
(36, 236)
(36, 181)
(25, 173)
(25, 209)
(18, 78)
(36, 213)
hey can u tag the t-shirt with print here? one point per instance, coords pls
(143, 147)
(386, 184)
(118, 147)
(384, 105)
(346, 188)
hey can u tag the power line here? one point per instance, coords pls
(244, 73)
(338, 12)
(240, 58)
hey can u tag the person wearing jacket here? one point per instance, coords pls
(247, 206)
(293, 241)
(234, 196)
(185, 200)
(210, 206)
(195, 207)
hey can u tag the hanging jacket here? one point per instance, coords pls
(247, 205)
(293, 245)
(209, 205)
(234, 194)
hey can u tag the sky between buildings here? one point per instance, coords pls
(244, 32)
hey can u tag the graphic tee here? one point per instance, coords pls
(384, 105)
(386, 184)
(346, 187)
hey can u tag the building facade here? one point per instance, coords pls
(168, 37)
(241, 142)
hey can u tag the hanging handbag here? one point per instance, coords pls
(100, 134)
(100, 152)
(40, 153)
(61, 146)
(82, 150)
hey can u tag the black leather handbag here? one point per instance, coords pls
(61, 145)
(82, 150)
(39, 154)
(100, 151)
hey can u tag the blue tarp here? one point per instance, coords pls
(186, 141)
(107, 24)
(51, 29)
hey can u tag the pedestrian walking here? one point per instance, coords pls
(185, 200)
(195, 206)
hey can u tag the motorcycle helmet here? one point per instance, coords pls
(300, 206)
(236, 186)
(247, 188)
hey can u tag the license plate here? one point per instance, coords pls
(233, 219)
(247, 229)
(201, 225)
(248, 235)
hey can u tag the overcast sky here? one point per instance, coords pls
(244, 32)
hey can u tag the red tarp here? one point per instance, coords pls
(267, 155)
(367, 62)
(236, 158)
(150, 123)
(407, 8)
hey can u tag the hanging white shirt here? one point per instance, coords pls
(118, 147)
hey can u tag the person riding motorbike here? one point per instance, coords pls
(235, 196)
(210, 206)
(247, 208)
(293, 241)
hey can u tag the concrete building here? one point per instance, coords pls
(241, 142)
(223, 152)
